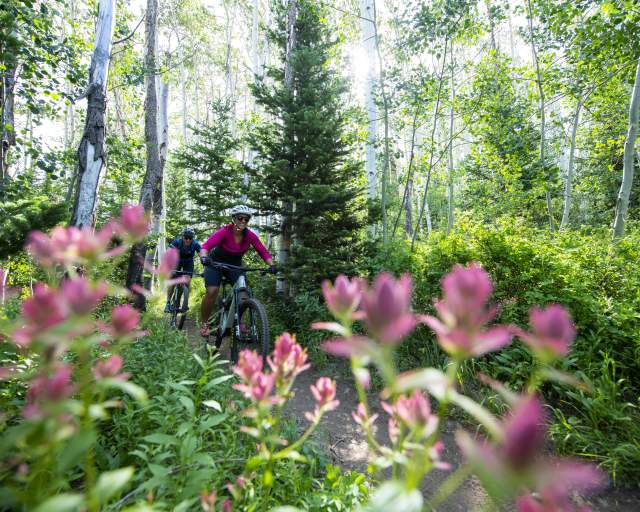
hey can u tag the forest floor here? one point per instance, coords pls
(345, 445)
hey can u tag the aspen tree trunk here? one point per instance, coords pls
(369, 43)
(450, 219)
(492, 28)
(151, 191)
(92, 152)
(286, 230)
(622, 203)
(569, 176)
(163, 142)
(8, 128)
(543, 163)
(436, 110)
(183, 93)
(385, 105)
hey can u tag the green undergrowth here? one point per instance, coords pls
(188, 438)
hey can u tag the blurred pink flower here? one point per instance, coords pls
(81, 296)
(415, 411)
(463, 313)
(324, 392)
(226, 506)
(288, 358)
(386, 306)
(249, 364)
(556, 481)
(553, 332)
(71, 245)
(134, 222)
(109, 368)
(343, 297)
(124, 322)
(261, 386)
(519, 459)
(169, 263)
(43, 310)
(45, 389)
(208, 500)
(524, 432)
(361, 418)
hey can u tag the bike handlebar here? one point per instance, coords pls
(228, 266)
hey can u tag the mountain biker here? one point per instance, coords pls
(187, 247)
(228, 245)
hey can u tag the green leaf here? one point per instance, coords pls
(188, 404)
(213, 404)
(133, 390)
(62, 503)
(478, 412)
(218, 380)
(392, 495)
(158, 438)
(212, 421)
(199, 360)
(111, 482)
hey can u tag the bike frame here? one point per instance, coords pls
(239, 293)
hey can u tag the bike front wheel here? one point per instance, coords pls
(252, 331)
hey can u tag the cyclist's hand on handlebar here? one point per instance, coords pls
(205, 260)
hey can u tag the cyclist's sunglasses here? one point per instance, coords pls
(187, 237)
(242, 218)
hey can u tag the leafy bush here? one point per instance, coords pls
(598, 283)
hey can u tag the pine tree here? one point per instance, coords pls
(215, 175)
(304, 176)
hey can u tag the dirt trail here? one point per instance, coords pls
(346, 446)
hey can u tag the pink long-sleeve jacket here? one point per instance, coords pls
(224, 237)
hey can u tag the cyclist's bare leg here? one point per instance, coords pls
(208, 301)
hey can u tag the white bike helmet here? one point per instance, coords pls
(241, 209)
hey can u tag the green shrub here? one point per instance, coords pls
(596, 280)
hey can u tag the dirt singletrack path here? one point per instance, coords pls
(345, 445)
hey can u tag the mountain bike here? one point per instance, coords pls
(240, 315)
(178, 314)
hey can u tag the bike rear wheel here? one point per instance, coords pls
(175, 308)
(254, 330)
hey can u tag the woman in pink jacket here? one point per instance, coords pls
(227, 245)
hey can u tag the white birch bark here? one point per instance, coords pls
(91, 153)
(450, 218)
(570, 166)
(369, 43)
(163, 142)
(622, 203)
(534, 56)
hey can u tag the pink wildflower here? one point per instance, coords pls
(262, 385)
(43, 310)
(134, 221)
(44, 390)
(553, 332)
(463, 313)
(208, 500)
(249, 364)
(109, 369)
(226, 506)
(524, 432)
(288, 358)
(386, 308)
(169, 263)
(343, 297)
(361, 418)
(324, 392)
(415, 411)
(124, 321)
(81, 296)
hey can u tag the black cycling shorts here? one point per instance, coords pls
(213, 275)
